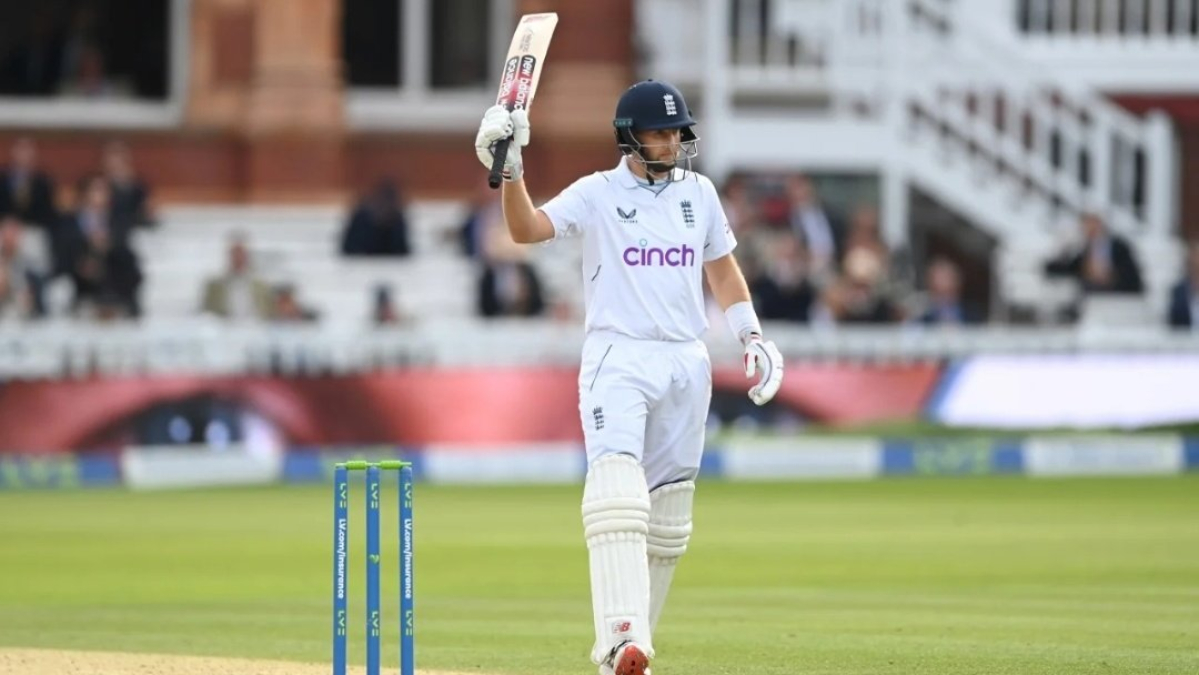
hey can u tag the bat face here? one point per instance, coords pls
(525, 61)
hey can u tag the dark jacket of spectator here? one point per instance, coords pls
(1184, 306)
(1104, 264)
(945, 303)
(130, 194)
(378, 226)
(70, 237)
(28, 196)
(1184, 296)
(957, 313)
(110, 275)
(775, 301)
(510, 289)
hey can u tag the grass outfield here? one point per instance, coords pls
(939, 576)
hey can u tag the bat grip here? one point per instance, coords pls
(497, 164)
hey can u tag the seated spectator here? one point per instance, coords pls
(508, 284)
(1103, 264)
(783, 291)
(384, 311)
(90, 78)
(820, 231)
(107, 277)
(945, 304)
(1184, 297)
(377, 226)
(26, 191)
(486, 215)
(20, 281)
(130, 196)
(739, 206)
(238, 293)
(858, 296)
(94, 216)
(864, 235)
(286, 307)
(510, 288)
(755, 238)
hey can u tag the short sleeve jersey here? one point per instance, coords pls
(643, 250)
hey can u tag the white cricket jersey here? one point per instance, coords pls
(643, 252)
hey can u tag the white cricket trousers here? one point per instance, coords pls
(648, 399)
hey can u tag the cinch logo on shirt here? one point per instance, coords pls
(640, 256)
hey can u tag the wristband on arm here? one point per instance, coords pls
(743, 320)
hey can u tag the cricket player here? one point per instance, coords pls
(645, 383)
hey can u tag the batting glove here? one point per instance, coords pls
(497, 125)
(763, 357)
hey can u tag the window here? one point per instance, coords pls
(422, 63)
(455, 49)
(370, 32)
(85, 49)
(91, 62)
(460, 50)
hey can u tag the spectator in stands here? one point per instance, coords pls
(384, 311)
(377, 226)
(864, 235)
(90, 78)
(130, 196)
(783, 291)
(755, 239)
(94, 217)
(1103, 264)
(1184, 297)
(858, 295)
(81, 47)
(26, 191)
(486, 216)
(238, 293)
(287, 308)
(945, 304)
(821, 232)
(508, 284)
(20, 280)
(510, 288)
(107, 277)
(739, 206)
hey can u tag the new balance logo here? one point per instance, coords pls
(598, 414)
(671, 108)
(627, 217)
(688, 214)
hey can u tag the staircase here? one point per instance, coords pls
(942, 95)
(1017, 149)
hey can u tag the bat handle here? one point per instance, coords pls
(497, 165)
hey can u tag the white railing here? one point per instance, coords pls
(784, 47)
(773, 46)
(948, 83)
(67, 350)
(1110, 19)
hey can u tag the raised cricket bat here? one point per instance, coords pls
(522, 71)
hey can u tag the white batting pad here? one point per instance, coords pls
(616, 510)
(669, 531)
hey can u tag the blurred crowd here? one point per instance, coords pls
(86, 243)
(806, 261)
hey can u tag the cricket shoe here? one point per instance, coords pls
(628, 658)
